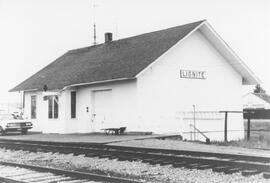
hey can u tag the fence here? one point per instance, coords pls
(196, 123)
(220, 125)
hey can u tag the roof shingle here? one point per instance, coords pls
(120, 59)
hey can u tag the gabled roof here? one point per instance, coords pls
(118, 60)
(263, 96)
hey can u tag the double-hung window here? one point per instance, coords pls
(33, 107)
(53, 107)
(73, 104)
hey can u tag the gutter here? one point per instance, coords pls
(98, 82)
(80, 84)
(28, 90)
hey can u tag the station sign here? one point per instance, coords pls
(189, 74)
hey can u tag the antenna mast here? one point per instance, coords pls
(95, 37)
(94, 18)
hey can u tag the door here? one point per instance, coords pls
(101, 109)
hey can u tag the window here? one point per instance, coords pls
(53, 107)
(73, 104)
(33, 107)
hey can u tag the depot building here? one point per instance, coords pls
(150, 82)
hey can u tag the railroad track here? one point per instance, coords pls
(21, 173)
(218, 162)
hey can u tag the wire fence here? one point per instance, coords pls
(222, 125)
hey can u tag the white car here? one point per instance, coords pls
(13, 123)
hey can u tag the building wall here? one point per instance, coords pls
(159, 100)
(123, 106)
(252, 101)
(42, 122)
(122, 110)
(164, 96)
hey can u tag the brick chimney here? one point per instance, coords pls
(108, 37)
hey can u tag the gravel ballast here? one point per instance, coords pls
(126, 169)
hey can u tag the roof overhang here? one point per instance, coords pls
(98, 82)
(28, 90)
(248, 77)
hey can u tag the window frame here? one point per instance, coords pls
(53, 107)
(33, 108)
(73, 104)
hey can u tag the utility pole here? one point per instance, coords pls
(194, 122)
(225, 126)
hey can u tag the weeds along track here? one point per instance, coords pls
(21, 173)
(218, 162)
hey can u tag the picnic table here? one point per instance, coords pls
(114, 131)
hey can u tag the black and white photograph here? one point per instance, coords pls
(134, 91)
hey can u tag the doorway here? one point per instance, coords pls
(101, 109)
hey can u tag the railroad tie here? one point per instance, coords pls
(112, 157)
(232, 170)
(266, 175)
(78, 153)
(179, 164)
(91, 155)
(148, 160)
(192, 165)
(164, 163)
(156, 161)
(220, 169)
(123, 158)
(204, 167)
(104, 155)
(134, 159)
(250, 172)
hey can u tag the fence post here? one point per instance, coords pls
(225, 126)
(194, 122)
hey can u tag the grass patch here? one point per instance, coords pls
(259, 137)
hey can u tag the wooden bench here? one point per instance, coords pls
(114, 131)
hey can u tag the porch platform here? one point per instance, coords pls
(155, 143)
(91, 138)
(132, 140)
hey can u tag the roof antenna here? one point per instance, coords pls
(94, 18)
(116, 29)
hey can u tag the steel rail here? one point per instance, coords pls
(189, 159)
(93, 146)
(7, 180)
(73, 174)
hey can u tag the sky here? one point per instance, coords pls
(34, 33)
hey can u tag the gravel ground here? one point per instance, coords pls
(136, 170)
